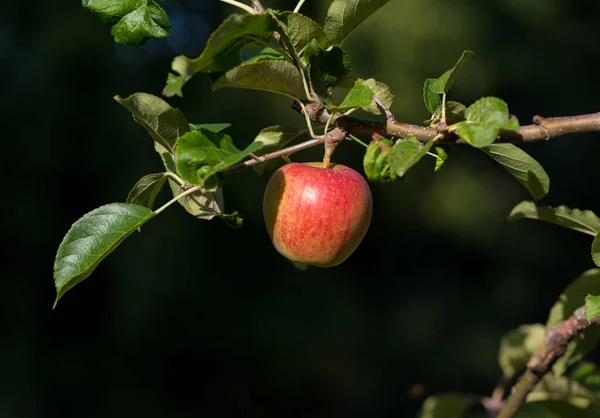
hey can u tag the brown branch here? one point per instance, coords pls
(544, 357)
(258, 6)
(542, 129)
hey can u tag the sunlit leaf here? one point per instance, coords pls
(375, 162)
(269, 74)
(406, 153)
(91, 239)
(201, 154)
(443, 83)
(274, 138)
(484, 120)
(432, 100)
(326, 68)
(381, 92)
(592, 307)
(344, 16)
(359, 96)
(134, 21)
(300, 30)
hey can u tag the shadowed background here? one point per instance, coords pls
(190, 318)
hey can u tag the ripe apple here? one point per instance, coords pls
(317, 215)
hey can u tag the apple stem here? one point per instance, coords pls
(329, 148)
(286, 159)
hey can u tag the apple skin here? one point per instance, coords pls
(317, 216)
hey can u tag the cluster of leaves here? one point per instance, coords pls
(479, 125)
(572, 389)
(297, 58)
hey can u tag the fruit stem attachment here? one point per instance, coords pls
(329, 149)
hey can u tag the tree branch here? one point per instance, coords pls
(544, 357)
(542, 129)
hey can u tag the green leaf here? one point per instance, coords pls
(376, 164)
(359, 96)
(274, 138)
(202, 154)
(406, 153)
(592, 307)
(442, 156)
(596, 250)
(91, 239)
(270, 74)
(134, 21)
(443, 83)
(174, 85)
(344, 16)
(522, 167)
(381, 91)
(300, 30)
(517, 346)
(326, 68)
(553, 388)
(484, 120)
(213, 127)
(164, 123)
(579, 220)
(223, 48)
(572, 298)
(455, 112)
(432, 100)
(588, 375)
(145, 191)
(232, 219)
(447, 405)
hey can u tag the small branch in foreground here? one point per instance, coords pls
(544, 357)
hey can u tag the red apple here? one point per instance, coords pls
(316, 215)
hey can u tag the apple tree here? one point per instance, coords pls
(287, 53)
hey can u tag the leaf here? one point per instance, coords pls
(588, 375)
(270, 74)
(596, 250)
(91, 239)
(522, 167)
(484, 120)
(213, 127)
(376, 164)
(447, 405)
(145, 191)
(443, 83)
(359, 96)
(223, 48)
(442, 156)
(201, 154)
(592, 307)
(572, 298)
(455, 112)
(300, 30)
(553, 388)
(406, 153)
(134, 21)
(164, 123)
(517, 346)
(232, 219)
(174, 86)
(326, 68)
(274, 138)
(432, 100)
(381, 91)
(579, 220)
(344, 16)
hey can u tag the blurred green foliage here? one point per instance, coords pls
(191, 318)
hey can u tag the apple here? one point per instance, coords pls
(315, 215)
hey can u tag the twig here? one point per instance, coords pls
(544, 357)
(242, 6)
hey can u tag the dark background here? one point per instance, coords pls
(193, 319)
